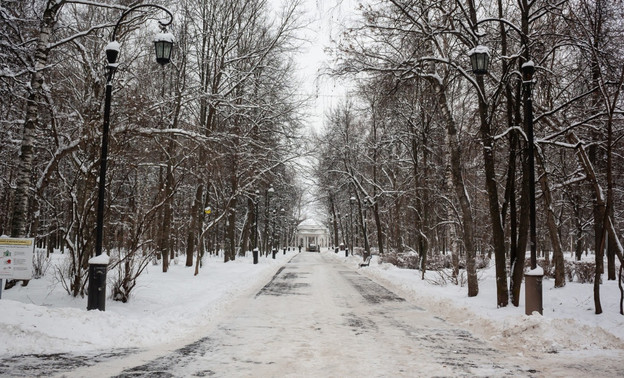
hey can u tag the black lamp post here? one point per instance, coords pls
(351, 203)
(527, 80)
(533, 279)
(255, 235)
(273, 249)
(267, 214)
(282, 231)
(97, 265)
(293, 236)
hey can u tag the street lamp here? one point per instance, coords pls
(351, 203)
(282, 233)
(255, 235)
(98, 264)
(533, 278)
(269, 194)
(163, 43)
(273, 250)
(479, 59)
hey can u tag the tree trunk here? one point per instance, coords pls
(460, 191)
(192, 236)
(553, 229)
(229, 253)
(380, 235)
(247, 231)
(165, 231)
(334, 221)
(19, 217)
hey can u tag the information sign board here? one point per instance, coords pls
(16, 258)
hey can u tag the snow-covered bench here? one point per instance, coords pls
(366, 262)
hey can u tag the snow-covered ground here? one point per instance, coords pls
(568, 324)
(165, 307)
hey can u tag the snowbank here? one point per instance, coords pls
(42, 318)
(568, 323)
(165, 307)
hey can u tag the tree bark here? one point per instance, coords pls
(192, 235)
(553, 229)
(460, 191)
(21, 196)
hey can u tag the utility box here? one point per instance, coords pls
(533, 292)
(98, 267)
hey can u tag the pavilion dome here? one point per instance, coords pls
(312, 234)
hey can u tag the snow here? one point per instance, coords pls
(530, 63)
(169, 307)
(113, 46)
(538, 271)
(165, 37)
(568, 323)
(480, 49)
(43, 318)
(102, 259)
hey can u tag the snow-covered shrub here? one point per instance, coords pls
(71, 276)
(439, 261)
(41, 263)
(482, 261)
(125, 267)
(411, 261)
(444, 277)
(408, 260)
(569, 270)
(435, 262)
(390, 258)
(584, 271)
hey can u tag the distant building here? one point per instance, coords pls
(312, 235)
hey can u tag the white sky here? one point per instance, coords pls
(326, 21)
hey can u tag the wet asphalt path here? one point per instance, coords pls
(320, 318)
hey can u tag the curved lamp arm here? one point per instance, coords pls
(125, 13)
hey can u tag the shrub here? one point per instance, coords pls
(482, 261)
(584, 271)
(547, 266)
(579, 271)
(41, 263)
(435, 261)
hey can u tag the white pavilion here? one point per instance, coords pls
(311, 235)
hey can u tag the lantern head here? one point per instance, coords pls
(163, 42)
(479, 59)
(112, 52)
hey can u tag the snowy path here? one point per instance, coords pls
(319, 318)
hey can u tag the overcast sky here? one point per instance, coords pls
(326, 21)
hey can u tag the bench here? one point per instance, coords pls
(366, 262)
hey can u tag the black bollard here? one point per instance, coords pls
(97, 287)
